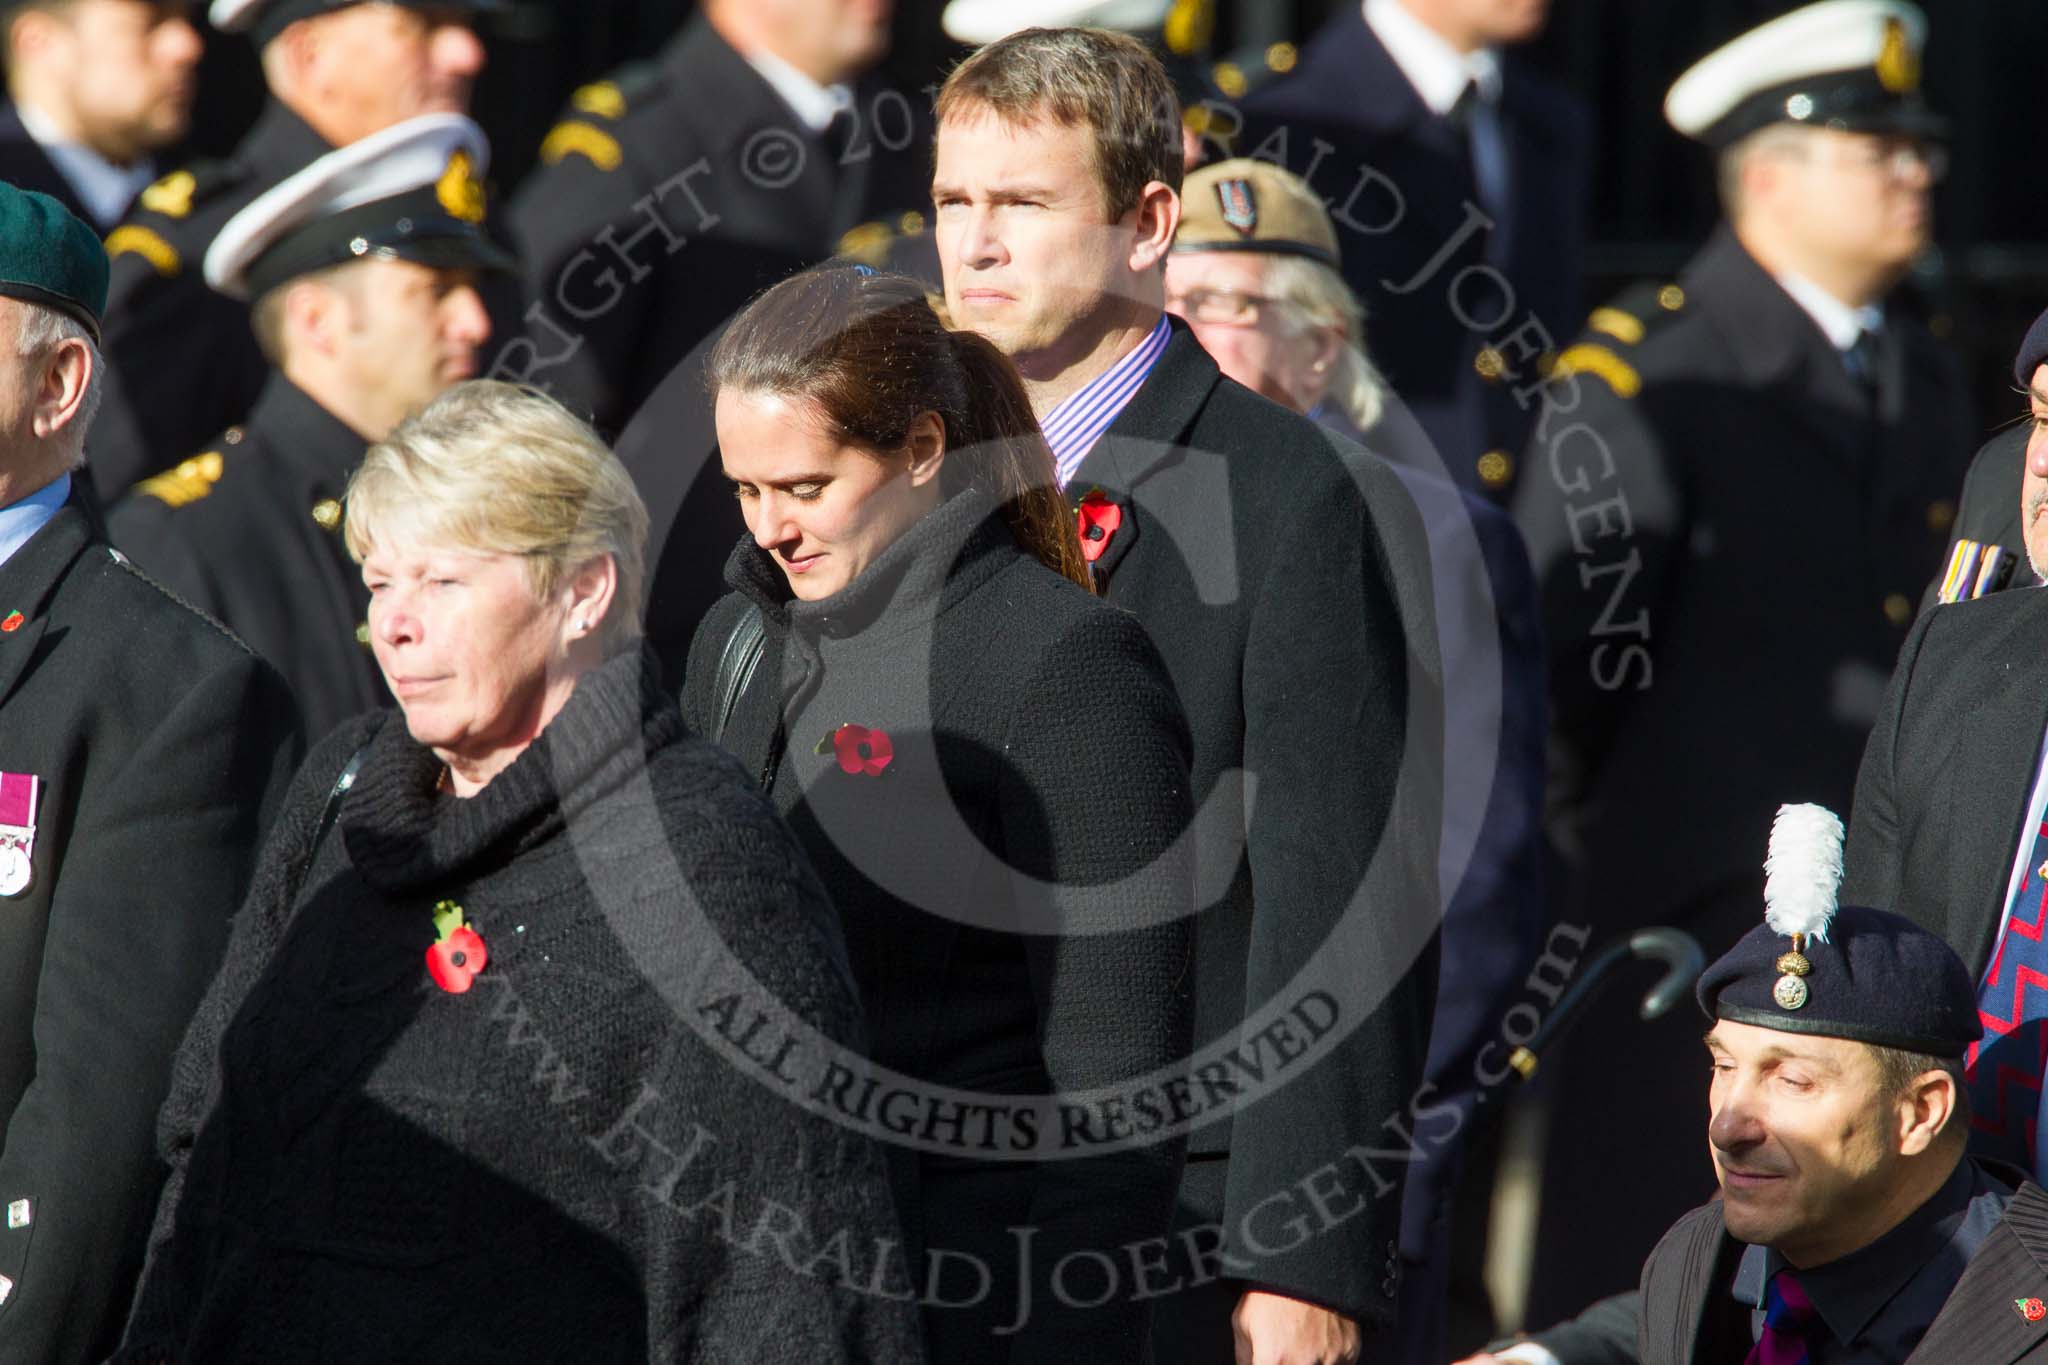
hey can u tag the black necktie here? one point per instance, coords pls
(837, 137)
(1863, 360)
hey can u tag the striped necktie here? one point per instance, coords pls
(2004, 1067)
(1787, 1315)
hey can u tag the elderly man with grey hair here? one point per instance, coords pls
(144, 750)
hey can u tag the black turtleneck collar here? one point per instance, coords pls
(292, 423)
(405, 836)
(951, 551)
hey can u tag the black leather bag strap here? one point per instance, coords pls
(736, 665)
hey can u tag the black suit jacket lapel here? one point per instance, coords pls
(1149, 433)
(1984, 1321)
(29, 577)
(1997, 745)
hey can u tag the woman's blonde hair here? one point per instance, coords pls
(494, 468)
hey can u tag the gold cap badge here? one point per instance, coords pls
(1898, 66)
(459, 191)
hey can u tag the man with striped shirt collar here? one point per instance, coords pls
(1283, 575)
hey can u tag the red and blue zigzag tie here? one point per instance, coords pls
(2004, 1066)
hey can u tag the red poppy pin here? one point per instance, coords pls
(457, 953)
(1100, 519)
(13, 622)
(859, 749)
(2033, 1310)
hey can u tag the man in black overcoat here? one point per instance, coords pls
(94, 89)
(182, 362)
(142, 752)
(249, 530)
(1689, 592)
(1987, 549)
(756, 144)
(1950, 804)
(1284, 576)
(1459, 178)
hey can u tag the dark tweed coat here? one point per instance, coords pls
(1035, 732)
(557, 1164)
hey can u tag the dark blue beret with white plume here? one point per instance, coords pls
(1839, 971)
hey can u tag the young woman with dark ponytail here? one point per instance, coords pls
(989, 769)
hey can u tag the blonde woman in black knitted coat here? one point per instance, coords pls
(989, 768)
(458, 1093)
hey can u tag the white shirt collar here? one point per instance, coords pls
(105, 189)
(1438, 71)
(1837, 320)
(815, 104)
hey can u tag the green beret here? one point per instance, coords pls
(49, 257)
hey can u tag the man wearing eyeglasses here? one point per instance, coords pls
(1738, 486)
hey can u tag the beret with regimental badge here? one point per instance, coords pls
(1839, 971)
(1852, 65)
(1248, 205)
(412, 192)
(265, 19)
(48, 256)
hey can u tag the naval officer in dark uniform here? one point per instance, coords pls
(361, 269)
(182, 363)
(667, 196)
(1732, 504)
(143, 750)
(94, 89)
(1459, 177)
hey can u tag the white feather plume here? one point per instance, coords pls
(1803, 872)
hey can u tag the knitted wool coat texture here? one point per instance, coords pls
(1014, 889)
(558, 1164)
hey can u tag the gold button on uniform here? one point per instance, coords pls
(1941, 515)
(1490, 364)
(1496, 467)
(1671, 298)
(328, 513)
(363, 635)
(1898, 609)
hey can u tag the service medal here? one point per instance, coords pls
(18, 793)
(16, 872)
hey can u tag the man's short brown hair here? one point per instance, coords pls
(1108, 82)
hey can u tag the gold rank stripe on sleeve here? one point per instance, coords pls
(602, 98)
(1591, 358)
(1626, 328)
(141, 241)
(172, 195)
(190, 481)
(571, 138)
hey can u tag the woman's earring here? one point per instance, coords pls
(577, 625)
